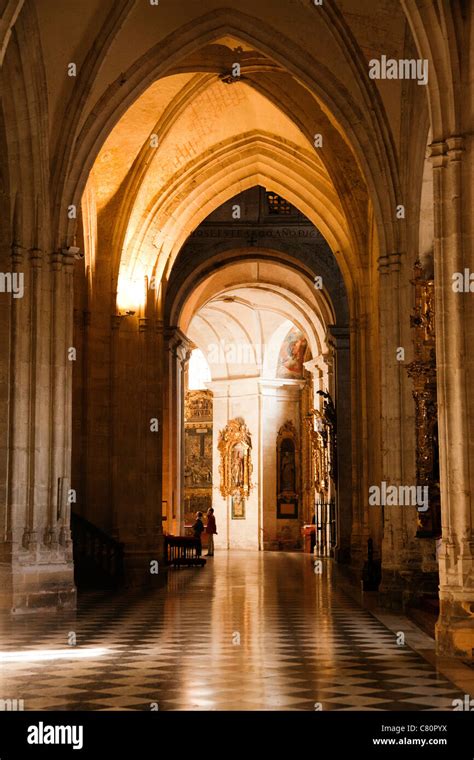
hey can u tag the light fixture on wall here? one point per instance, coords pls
(128, 313)
(131, 294)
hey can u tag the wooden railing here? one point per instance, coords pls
(98, 558)
(183, 550)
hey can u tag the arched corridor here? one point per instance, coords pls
(235, 252)
(272, 338)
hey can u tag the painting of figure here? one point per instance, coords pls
(291, 357)
(287, 467)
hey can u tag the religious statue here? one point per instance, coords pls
(237, 465)
(288, 470)
(235, 445)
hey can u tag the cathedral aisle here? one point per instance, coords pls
(250, 631)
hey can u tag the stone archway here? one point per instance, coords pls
(210, 268)
(54, 136)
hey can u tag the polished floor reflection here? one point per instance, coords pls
(250, 631)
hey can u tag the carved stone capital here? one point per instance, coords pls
(390, 262)
(56, 261)
(36, 258)
(115, 321)
(455, 146)
(178, 344)
(437, 154)
(18, 255)
(338, 337)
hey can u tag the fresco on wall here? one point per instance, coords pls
(291, 357)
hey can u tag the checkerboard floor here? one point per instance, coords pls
(250, 631)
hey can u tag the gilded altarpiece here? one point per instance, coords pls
(422, 370)
(307, 481)
(197, 452)
(235, 447)
(321, 424)
(322, 430)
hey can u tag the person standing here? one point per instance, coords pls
(211, 531)
(198, 528)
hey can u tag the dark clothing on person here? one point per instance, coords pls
(198, 528)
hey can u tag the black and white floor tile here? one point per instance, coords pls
(250, 631)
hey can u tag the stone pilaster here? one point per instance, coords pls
(36, 569)
(403, 580)
(177, 353)
(453, 176)
(340, 343)
(137, 428)
(358, 331)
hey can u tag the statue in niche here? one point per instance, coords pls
(287, 466)
(287, 471)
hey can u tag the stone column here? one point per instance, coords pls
(394, 532)
(339, 341)
(453, 177)
(220, 417)
(361, 440)
(115, 322)
(403, 580)
(177, 353)
(137, 422)
(36, 554)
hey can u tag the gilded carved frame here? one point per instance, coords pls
(235, 446)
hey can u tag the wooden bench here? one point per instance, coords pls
(183, 550)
